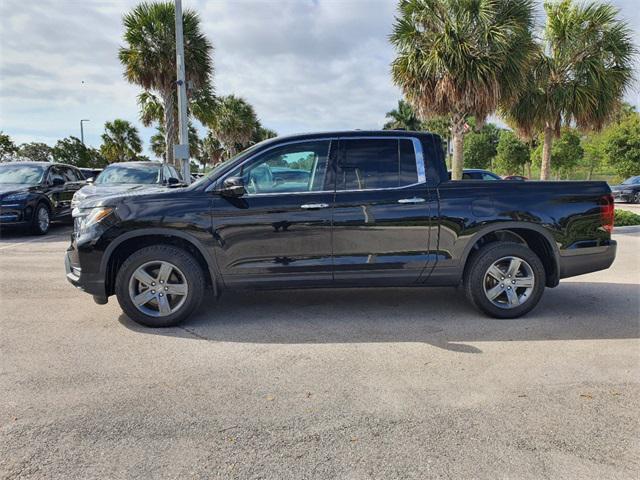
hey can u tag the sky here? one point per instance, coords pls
(305, 65)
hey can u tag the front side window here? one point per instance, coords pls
(366, 164)
(299, 167)
(56, 173)
(21, 174)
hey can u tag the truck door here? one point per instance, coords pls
(381, 212)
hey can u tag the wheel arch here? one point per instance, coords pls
(535, 237)
(130, 242)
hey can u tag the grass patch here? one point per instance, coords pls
(624, 218)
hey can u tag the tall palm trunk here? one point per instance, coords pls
(457, 162)
(169, 126)
(545, 168)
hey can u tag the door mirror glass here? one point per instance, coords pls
(172, 181)
(233, 187)
(57, 181)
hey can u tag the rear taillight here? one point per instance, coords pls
(607, 212)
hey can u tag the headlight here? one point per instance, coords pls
(16, 197)
(83, 219)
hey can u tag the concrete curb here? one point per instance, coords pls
(629, 229)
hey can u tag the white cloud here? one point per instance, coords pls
(304, 64)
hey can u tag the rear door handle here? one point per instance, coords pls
(314, 206)
(412, 200)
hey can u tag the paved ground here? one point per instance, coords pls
(632, 207)
(318, 384)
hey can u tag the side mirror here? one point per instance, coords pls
(91, 180)
(57, 182)
(172, 181)
(233, 187)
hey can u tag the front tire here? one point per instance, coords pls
(160, 286)
(41, 220)
(505, 280)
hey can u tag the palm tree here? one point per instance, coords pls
(578, 74)
(212, 151)
(158, 144)
(402, 118)
(460, 58)
(234, 123)
(149, 57)
(120, 141)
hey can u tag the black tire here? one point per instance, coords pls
(36, 227)
(476, 278)
(190, 270)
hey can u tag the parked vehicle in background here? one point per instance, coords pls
(128, 176)
(478, 174)
(377, 209)
(33, 194)
(90, 173)
(515, 177)
(628, 191)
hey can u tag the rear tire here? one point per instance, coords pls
(41, 220)
(505, 280)
(160, 286)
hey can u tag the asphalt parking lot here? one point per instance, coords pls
(351, 384)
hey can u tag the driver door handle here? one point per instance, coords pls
(314, 206)
(412, 200)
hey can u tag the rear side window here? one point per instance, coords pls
(376, 163)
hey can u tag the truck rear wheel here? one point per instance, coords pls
(160, 286)
(505, 280)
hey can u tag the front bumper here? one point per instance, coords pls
(587, 260)
(15, 214)
(92, 283)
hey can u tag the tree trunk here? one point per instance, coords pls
(457, 162)
(169, 126)
(529, 170)
(545, 167)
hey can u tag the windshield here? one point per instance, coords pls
(129, 174)
(632, 181)
(23, 174)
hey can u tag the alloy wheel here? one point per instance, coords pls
(509, 282)
(158, 288)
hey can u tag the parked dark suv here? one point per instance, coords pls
(372, 209)
(32, 194)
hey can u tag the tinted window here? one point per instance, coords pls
(173, 173)
(69, 174)
(56, 172)
(130, 174)
(23, 174)
(490, 176)
(299, 167)
(376, 163)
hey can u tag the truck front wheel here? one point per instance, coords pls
(160, 286)
(504, 280)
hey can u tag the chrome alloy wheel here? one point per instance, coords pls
(509, 282)
(43, 219)
(158, 288)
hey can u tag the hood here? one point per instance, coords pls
(618, 188)
(109, 195)
(6, 188)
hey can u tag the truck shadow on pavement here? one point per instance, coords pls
(437, 316)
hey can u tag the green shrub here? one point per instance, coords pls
(624, 218)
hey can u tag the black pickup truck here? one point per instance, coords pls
(364, 209)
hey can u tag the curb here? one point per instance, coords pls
(629, 229)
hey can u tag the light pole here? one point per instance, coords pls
(181, 150)
(82, 129)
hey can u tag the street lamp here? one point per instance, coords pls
(82, 129)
